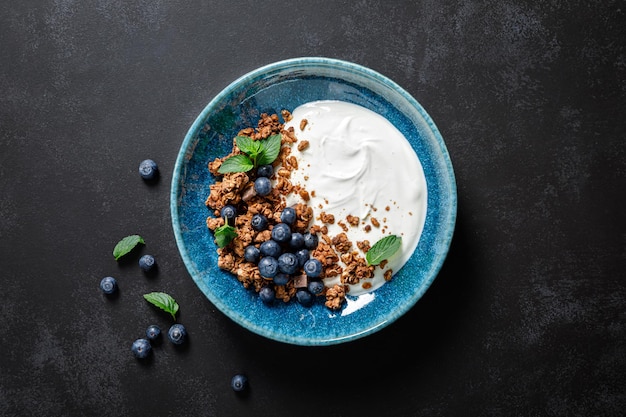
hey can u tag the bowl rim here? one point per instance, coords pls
(444, 242)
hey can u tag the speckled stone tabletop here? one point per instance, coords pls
(528, 314)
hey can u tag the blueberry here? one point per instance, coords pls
(281, 233)
(252, 254)
(228, 213)
(267, 295)
(265, 171)
(146, 262)
(239, 383)
(315, 287)
(297, 241)
(281, 279)
(288, 263)
(303, 255)
(288, 215)
(310, 241)
(148, 169)
(312, 268)
(141, 348)
(259, 222)
(268, 267)
(270, 248)
(153, 332)
(262, 186)
(108, 285)
(304, 297)
(177, 334)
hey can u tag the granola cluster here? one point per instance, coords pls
(337, 254)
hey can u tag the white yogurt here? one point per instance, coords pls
(359, 164)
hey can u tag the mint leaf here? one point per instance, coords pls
(125, 245)
(236, 163)
(270, 150)
(164, 301)
(383, 249)
(255, 153)
(224, 235)
(248, 146)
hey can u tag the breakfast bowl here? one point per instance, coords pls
(285, 85)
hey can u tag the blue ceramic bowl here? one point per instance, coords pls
(286, 85)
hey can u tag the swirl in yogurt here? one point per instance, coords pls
(359, 164)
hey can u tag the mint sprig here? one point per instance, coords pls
(126, 245)
(163, 301)
(383, 249)
(255, 153)
(224, 235)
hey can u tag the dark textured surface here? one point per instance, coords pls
(528, 315)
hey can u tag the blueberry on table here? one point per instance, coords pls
(304, 297)
(270, 248)
(310, 241)
(315, 287)
(262, 186)
(288, 263)
(288, 215)
(312, 268)
(265, 171)
(153, 332)
(281, 233)
(251, 254)
(141, 348)
(108, 285)
(228, 213)
(148, 169)
(177, 334)
(268, 267)
(146, 263)
(267, 295)
(259, 222)
(239, 382)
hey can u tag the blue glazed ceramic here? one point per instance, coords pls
(286, 85)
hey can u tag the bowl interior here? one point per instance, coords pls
(286, 85)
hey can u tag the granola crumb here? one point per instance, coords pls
(341, 243)
(303, 123)
(326, 218)
(356, 268)
(352, 220)
(286, 115)
(364, 245)
(304, 194)
(388, 275)
(335, 297)
(303, 145)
